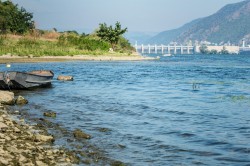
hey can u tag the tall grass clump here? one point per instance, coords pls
(2, 39)
(83, 43)
(27, 42)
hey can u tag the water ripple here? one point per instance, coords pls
(183, 110)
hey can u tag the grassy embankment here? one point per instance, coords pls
(60, 44)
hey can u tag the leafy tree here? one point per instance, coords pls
(125, 45)
(203, 49)
(224, 51)
(54, 29)
(13, 19)
(213, 52)
(110, 34)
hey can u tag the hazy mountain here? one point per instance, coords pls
(139, 37)
(231, 23)
(170, 35)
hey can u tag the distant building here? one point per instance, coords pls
(230, 49)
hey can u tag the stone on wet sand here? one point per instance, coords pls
(13, 149)
(3, 126)
(17, 130)
(44, 138)
(4, 161)
(22, 158)
(40, 163)
(7, 98)
(21, 100)
(65, 78)
(1, 106)
(80, 134)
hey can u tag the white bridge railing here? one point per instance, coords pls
(163, 49)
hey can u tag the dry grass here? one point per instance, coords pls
(47, 36)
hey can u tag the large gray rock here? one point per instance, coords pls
(65, 78)
(7, 98)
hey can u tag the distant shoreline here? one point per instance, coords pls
(18, 59)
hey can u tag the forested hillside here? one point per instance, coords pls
(229, 24)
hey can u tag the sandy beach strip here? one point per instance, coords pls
(26, 59)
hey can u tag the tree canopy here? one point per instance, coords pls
(14, 19)
(110, 34)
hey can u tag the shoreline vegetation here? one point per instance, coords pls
(51, 46)
(19, 37)
(47, 48)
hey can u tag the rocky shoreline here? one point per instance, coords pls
(24, 144)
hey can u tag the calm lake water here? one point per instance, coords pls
(180, 110)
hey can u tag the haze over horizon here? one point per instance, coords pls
(138, 16)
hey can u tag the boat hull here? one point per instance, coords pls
(25, 80)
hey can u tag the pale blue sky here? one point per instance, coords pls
(137, 15)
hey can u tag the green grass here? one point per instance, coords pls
(70, 45)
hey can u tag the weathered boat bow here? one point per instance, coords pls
(25, 80)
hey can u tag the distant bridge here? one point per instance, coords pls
(181, 49)
(245, 49)
(165, 49)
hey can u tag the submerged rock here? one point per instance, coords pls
(117, 163)
(65, 78)
(80, 134)
(50, 114)
(44, 138)
(7, 98)
(104, 130)
(21, 100)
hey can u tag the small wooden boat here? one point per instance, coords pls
(25, 80)
(166, 55)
